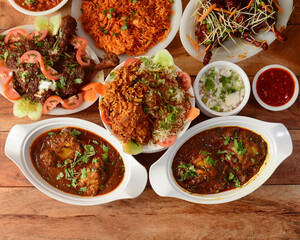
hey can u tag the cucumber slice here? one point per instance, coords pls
(54, 24)
(35, 110)
(164, 58)
(132, 148)
(21, 106)
(41, 23)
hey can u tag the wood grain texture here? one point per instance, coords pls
(271, 211)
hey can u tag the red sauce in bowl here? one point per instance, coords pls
(38, 5)
(275, 86)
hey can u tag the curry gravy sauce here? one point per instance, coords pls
(77, 161)
(219, 159)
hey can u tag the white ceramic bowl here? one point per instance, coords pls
(21, 137)
(33, 13)
(175, 22)
(99, 77)
(279, 148)
(272, 108)
(150, 148)
(238, 52)
(206, 110)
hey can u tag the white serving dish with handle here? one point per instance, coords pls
(17, 148)
(276, 135)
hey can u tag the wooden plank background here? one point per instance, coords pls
(271, 212)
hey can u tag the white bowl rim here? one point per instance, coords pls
(40, 13)
(275, 108)
(17, 149)
(244, 77)
(155, 148)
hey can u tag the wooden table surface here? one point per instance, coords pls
(271, 212)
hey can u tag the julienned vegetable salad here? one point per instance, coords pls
(48, 67)
(221, 89)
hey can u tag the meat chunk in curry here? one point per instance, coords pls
(219, 159)
(77, 161)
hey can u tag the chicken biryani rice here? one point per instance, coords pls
(145, 102)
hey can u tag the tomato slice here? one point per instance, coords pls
(78, 41)
(31, 57)
(39, 35)
(186, 80)
(15, 35)
(82, 57)
(50, 72)
(5, 73)
(132, 61)
(51, 103)
(10, 92)
(169, 141)
(73, 102)
(105, 118)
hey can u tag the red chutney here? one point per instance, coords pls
(275, 87)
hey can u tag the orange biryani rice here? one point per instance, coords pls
(129, 27)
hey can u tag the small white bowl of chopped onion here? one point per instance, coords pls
(221, 89)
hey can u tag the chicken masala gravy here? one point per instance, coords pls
(77, 161)
(219, 159)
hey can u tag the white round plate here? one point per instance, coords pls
(99, 77)
(151, 148)
(175, 22)
(239, 51)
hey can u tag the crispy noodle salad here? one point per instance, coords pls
(146, 102)
(220, 20)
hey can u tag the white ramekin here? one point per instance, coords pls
(282, 107)
(33, 13)
(21, 137)
(206, 110)
(276, 135)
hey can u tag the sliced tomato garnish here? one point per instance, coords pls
(10, 92)
(39, 35)
(105, 118)
(15, 35)
(185, 79)
(5, 73)
(82, 57)
(132, 61)
(31, 57)
(51, 103)
(169, 141)
(50, 72)
(73, 102)
(78, 41)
